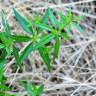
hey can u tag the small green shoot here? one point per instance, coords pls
(32, 89)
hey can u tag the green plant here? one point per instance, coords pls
(40, 34)
(32, 89)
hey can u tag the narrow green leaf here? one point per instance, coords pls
(52, 17)
(69, 16)
(2, 93)
(8, 50)
(1, 74)
(37, 18)
(20, 38)
(40, 90)
(31, 47)
(4, 39)
(16, 54)
(65, 20)
(43, 26)
(2, 63)
(25, 53)
(45, 56)
(4, 87)
(62, 16)
(23, 22)
(48, 15)
(44, 40)
(45, 17)
(57, 47)
(3, 54)
(1, 46)
(7, 42)
(5, 24)
(28, 88)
